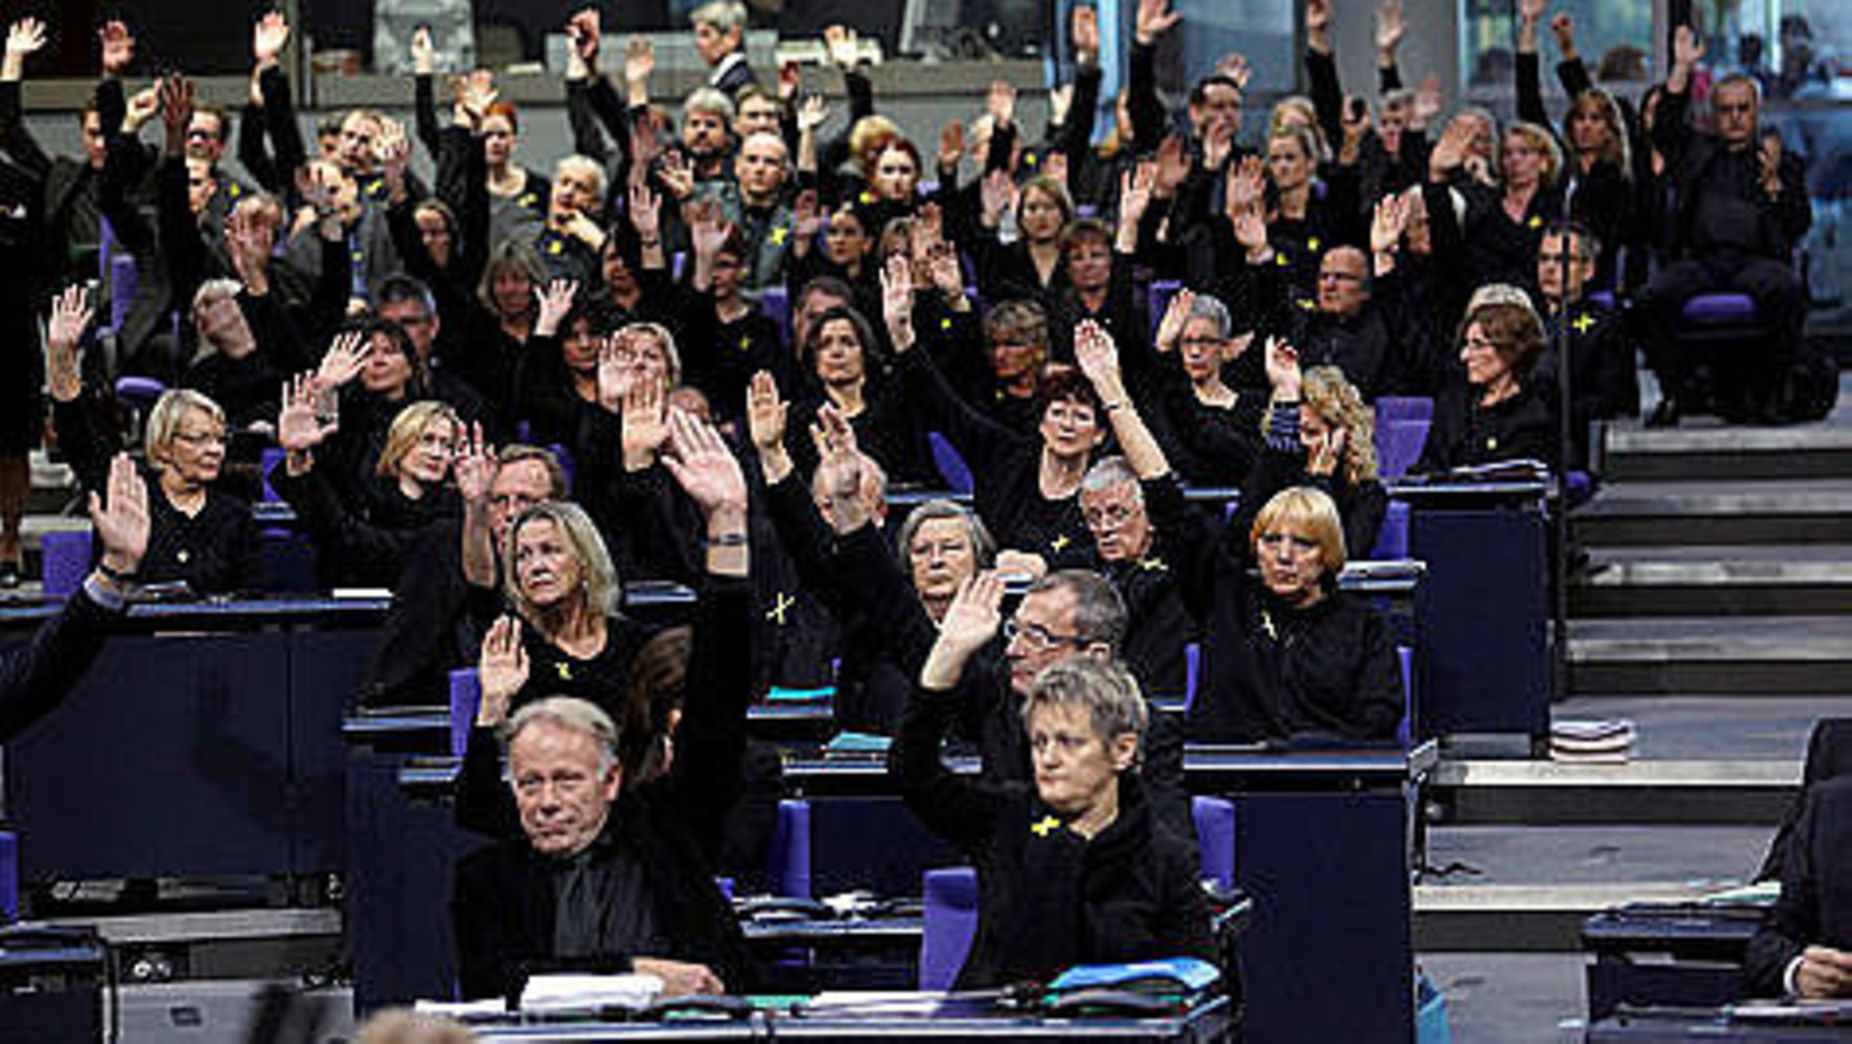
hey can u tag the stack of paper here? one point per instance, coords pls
(556, 994)
(1591, 740)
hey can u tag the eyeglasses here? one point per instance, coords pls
(1038, 637)
(1110, 517)
(200, 438)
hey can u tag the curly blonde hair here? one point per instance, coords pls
(1325, 391)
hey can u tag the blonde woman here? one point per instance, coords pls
(198, 534)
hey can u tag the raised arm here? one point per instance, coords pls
(1529, 64)
(1153, 19)
(1389, 30)
(1099, 360)
(23, 39)
(962, 811)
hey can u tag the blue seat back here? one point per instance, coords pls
(1405, 729)
(271, 457)
(776, 302)
(1162, 290)
(951, 463)
(65, 558)
(465, 697)
(1392, 538)
(1215, 838)
(1192, 673)
(1404, 407)
(9, 875)
(1398, 445)
(787, 858)
(949, 901)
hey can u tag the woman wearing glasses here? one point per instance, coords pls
(1072, 864)
(198, 534)
(1496, 413)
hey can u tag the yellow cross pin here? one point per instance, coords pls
(1060, 543)
(1312, 244)
(1583, 322)
(777, 235)
(1153, 565)
(780, 605)
(1045, 826)
(564, 670)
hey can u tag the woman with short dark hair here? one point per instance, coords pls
(1496, 413)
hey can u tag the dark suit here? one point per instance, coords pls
(35, 677)
(1816, 890)
(503, 904)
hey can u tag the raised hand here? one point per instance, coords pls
(554, 301)
(1154, 19)
(122, 523)
(766, 412)
(299, 423)
(1389, 28)
(813, 113)
(1387, 223)
(1084, 30)
(501, 670)
(645, 146)
(346, 357)
(645, 422)
(975, 615)
(790, 79)
(1135, 187)
(1098, 357)
(70, 316)
(839, 458)
(1429, 101)
(708, 230)
(1768, 162)
(1283, 369)
(1450, 151)
(23, 38)
(645, 212)
(942, 265)
(1176, 314)
(393, 149)
(997, 196)
(1531, 11)
(1355, 119)
(1327, 452)
(841, 44)
(176, 94)
(118, 46)
(249, 241)
(639, 59)
(474, 467)
(586, 34)
(1000, 103)
(424, 52)
(1318, 25)
(677, 176)
(951, 143)
(897, 301)
(1562, 26)
(704, 468)
(1234, 65)
(806, 219)
(271, 34)
(474, 93)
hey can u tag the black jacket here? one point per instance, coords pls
(1815, 907)
(1272, 670)
(1047, 897)
(36, 675)
(502, 904)
(1463, 433)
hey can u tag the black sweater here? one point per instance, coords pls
(1815, 907)
(1273, 670)
(1047, 897)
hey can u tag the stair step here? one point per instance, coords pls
(1709, 453)
(1721, 512)
(1709, 792)
(1711, 655)
(1715, 580)
(1531, 887)
(1682, 727)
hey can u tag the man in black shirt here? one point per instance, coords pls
(1741, 208)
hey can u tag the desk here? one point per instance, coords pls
(1655, 954)
(1209, 1021)
(1677, 1025)
(204, 741)
(1484, 613)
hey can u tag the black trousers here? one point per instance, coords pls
(1773, 285)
